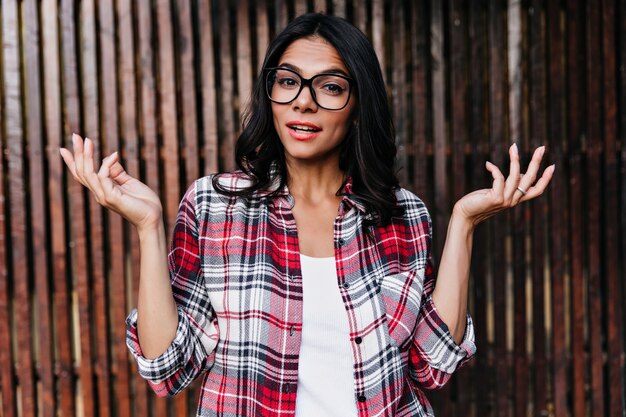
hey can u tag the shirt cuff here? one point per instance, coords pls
(169, 362)
(435, 343)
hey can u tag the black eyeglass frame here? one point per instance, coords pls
(307, 82)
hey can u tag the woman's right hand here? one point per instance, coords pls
(112, 187)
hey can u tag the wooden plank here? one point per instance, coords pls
(378, 33)
(621, 39)
(148, 125)
(78, 241)
(440, 213)
(521, 215)
(209, 95)
(483, 382)
(558, 204)
(168, 114)
(38, 209)
(128, 127)
(54, 131)
(320, 6)
(227, 136)
(420, 57)
(499, 156)
(189, 117)
(594, 150)
(244, 59)
(262, 33)
(281, 12)
(7, 380)
(398, 89)
(97, 284)
(575, 63)
(610, 201)
(18, 229)
(360, 15)
(538, 137)
(339, 8)
(300, 7)
(458, 87)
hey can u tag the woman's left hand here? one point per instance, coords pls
(505, 192)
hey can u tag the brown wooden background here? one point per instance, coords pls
(163, 81)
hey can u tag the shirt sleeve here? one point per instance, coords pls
(433, 354)
(192, 350)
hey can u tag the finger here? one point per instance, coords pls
(77, 144)
(91, 178)
(68, 159)
(104, 175)
(529, 177)
(533, 167)
(498, 179)
(541, 184)
(514, 174)
(118, 174)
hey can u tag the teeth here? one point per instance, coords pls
(303, 128)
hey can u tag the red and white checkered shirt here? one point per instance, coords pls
(236, 277)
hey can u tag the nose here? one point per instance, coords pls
(305, 102)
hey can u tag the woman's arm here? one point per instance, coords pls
(114, 189)
(451, 288)
(157, 315)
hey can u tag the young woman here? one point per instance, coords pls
(302, 284)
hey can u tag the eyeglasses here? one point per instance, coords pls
(329, 91)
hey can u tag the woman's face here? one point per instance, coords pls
(308, 132)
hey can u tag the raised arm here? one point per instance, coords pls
(451, 288)
(113, 188)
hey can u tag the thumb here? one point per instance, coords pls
(117, 172)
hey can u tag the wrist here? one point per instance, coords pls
(460, 221)
(151, 230)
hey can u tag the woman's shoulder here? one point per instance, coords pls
(415, 211)
(409, 200)
(225, 186)
(231, 181)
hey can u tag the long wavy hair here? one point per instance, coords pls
(367, 154)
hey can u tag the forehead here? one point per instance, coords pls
(312, 55)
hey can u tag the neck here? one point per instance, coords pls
(314, 180)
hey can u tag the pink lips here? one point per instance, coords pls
(300, 130)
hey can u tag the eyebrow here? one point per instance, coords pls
(332, 70)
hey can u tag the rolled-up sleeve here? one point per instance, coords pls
(434, 355)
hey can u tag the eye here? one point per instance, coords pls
(331, 85)
(287, 80)
(333, 89)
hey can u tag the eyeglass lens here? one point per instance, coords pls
(329, 91)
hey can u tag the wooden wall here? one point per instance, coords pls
(163, 82)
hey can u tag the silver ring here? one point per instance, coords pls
(521, 190)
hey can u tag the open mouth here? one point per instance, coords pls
(304, 127)
(300, 128)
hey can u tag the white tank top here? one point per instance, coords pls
(326, 365)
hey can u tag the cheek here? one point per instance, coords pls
(342, 126)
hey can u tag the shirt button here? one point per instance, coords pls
(286, 387)
(346, 285)
(358, 340)
(361, 398)
(291, 329)
(340, 241)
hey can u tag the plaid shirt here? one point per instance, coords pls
(236, 277)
